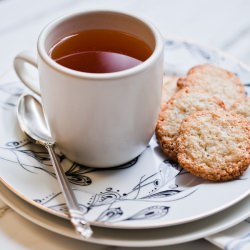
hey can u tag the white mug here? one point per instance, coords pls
(98, 119)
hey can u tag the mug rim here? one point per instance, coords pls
(113, 75)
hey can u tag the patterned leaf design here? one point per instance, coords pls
(153, 212)
(106, 198)
(110, 214)
(76, 175)
(162, 194)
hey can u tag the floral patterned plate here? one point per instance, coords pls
(147, 192)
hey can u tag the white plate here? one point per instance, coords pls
(147, 192)
(129, 237)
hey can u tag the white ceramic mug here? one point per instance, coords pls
(98, 119)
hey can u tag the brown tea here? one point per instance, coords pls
(100, 51)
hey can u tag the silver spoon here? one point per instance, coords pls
(32, 122)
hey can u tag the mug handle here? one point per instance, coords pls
(20, 60)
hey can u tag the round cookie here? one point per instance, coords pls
(214, 145)
(242, 107)
(182, 104)
(216, 81)
(169, 87)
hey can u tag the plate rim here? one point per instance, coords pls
(63, 227)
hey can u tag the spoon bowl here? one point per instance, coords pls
(32, 121)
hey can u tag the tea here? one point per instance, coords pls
(100, 51)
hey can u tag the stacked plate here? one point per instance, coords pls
(149, 201)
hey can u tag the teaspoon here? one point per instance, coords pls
(32, 122)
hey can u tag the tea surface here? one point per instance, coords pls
(100, 51)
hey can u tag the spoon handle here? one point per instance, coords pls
(76, 215)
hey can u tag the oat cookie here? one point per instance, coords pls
(242, 107)
(214, 145)
(216, 81)
(169, 87)
(182, 104)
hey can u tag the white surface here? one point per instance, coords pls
(223, 24)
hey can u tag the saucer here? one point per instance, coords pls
(147, 192)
